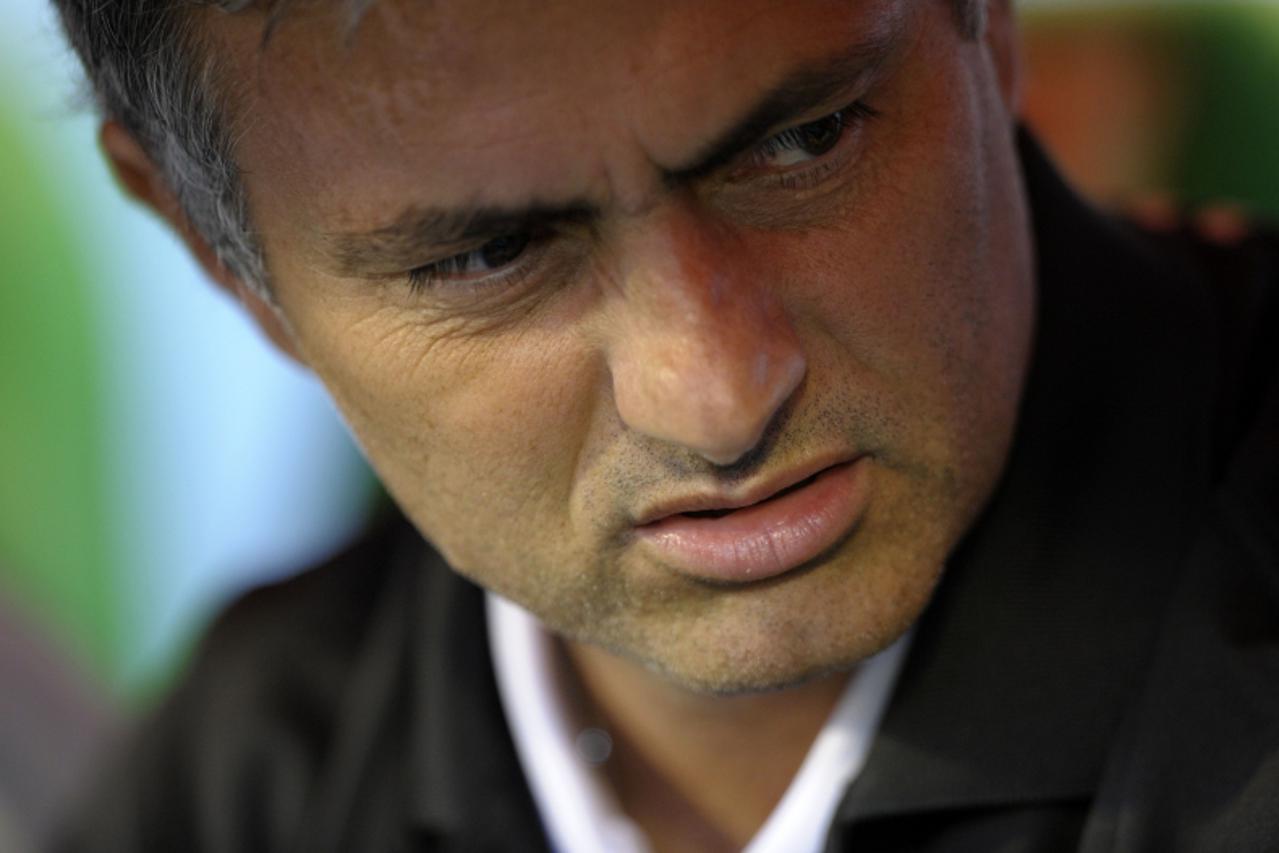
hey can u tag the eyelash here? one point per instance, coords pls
(806, 175)
(788, 140)
(425, 277)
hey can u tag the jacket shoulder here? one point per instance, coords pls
(229, 760)
(1241, 283)
(1195, 766)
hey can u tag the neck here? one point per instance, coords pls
(696, 770)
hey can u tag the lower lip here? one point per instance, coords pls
(765, 539)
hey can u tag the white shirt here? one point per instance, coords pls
(576, 805)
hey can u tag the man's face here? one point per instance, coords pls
(663, 250)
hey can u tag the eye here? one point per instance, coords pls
(477, 263)
(809, 141)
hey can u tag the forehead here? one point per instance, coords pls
(511, 100)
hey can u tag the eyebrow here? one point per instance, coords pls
(807, 87)
(403, 242)
(400, 244)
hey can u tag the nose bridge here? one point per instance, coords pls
(705, 353)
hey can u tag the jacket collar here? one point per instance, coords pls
(467, 786)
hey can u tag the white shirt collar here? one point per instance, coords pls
(576, 805)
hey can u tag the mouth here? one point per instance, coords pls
(761, 534)
(720, 513)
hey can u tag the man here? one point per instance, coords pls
(722, 342)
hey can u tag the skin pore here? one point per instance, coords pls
(558, 264)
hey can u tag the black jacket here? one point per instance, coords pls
(1098, 671)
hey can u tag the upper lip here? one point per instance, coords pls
(738, 498)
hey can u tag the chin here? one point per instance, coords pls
(761, 650)
(756, 680)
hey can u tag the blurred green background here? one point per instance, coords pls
(58, 544)
(157, 456)
(1181, 97)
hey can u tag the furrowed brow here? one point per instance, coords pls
(408, 239)
(804, 89)
(403, 243)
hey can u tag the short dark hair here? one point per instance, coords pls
(150, 72)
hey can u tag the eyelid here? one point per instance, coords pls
(748, 168)
(850, 115)
(428, 275)
(422, 278)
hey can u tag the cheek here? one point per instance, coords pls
(901, 293)
(917, 293)
(477, 438)
(898, 274)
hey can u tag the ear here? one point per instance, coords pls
(1004, 44)
(143, 180)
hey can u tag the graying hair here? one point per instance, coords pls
(138, 56)
(150, 73)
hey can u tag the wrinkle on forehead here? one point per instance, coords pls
(547, 99)
(414, 52)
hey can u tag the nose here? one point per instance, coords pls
(705, 354)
